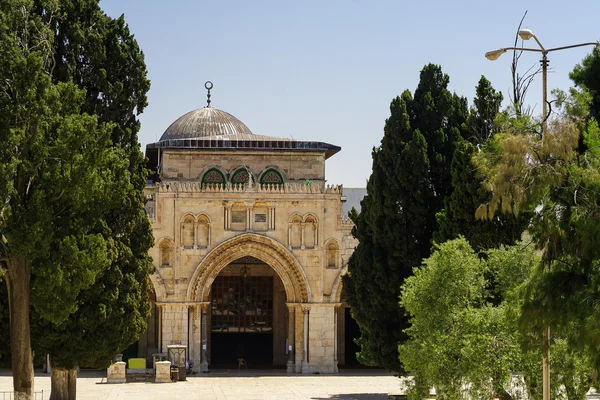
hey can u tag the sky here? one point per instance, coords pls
(327, 70)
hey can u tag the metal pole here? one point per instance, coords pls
(546, 336)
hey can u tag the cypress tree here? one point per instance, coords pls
(407, 187)
(458, 216)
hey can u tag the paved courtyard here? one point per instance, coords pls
(233, 385)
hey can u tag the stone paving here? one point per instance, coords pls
(233, 385)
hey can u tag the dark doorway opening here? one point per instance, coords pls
(351, 332)
(242, 321)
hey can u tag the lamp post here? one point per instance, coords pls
(527, 34)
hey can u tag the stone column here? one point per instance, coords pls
(303, 226)
(195, 345)
(249, 218)
(204, 338)
(305, 327)
(291, 336)
(299, 338)
(336, 311)
(195, 234)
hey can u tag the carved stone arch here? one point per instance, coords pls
(212, 167)
(310, 215)
(310, 225)
(242, 169)
(186, 215)
(261, 247)
(295, 231)
(336, 288)
(203, 230)
(159, 286)
(277, 174)
(276, 168)
(333, 251)
(165, 243)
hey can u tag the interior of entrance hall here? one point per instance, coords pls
(248, 316)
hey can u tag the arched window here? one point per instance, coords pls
(166, 252)
(333, 254)
(187, 232)
(240, 176)
(213, 175)
(271, 177)
(310, 232)
(295, 239)
(203, 232)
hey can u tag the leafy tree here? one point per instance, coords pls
(409, 182)
(72, 187)
(101, 55)
(56, 172)
(556, 173)
(468, 347)
(458, 216)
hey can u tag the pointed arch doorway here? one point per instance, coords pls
(269, 290)
(248, 316)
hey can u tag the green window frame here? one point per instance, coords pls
(206, 174)
(270, 182)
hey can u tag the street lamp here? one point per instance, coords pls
(527, 34)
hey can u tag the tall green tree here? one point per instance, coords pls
(407, 187)
(556, 173)
(57, 170)
(79, 62)
(458, 216)
(102, 57)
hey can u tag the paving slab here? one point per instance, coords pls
(232, 385)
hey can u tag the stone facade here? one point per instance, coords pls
(290, 234)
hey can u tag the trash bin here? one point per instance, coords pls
(182, 373)
(174, 374)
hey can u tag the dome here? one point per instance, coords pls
(205, 122)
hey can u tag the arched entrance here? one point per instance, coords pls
(248, 316)
(250, 290)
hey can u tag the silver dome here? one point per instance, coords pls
(205, 122)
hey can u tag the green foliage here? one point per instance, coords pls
(468, 347)
(410, 179)
(72, 187)
(458, 216)
(101, 55)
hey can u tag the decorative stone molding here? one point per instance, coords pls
(259, 246)
(336, 289)
(196, 187)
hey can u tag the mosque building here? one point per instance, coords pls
(250, 247)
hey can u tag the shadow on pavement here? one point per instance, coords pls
(354, 396)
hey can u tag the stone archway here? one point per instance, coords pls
(261, 247)
(285, 266)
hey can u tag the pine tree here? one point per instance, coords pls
(409, 181)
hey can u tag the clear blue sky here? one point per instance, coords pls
(327, 70)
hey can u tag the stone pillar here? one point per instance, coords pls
(195, 336)
(291, 337)
(299, 338)
(163, 372)
(116, 373)
(321, 343)
(174, 318)
(305, 328)
(336, 311)
(204, 338)
(249, 218)
(195, 234)
(303, 226)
